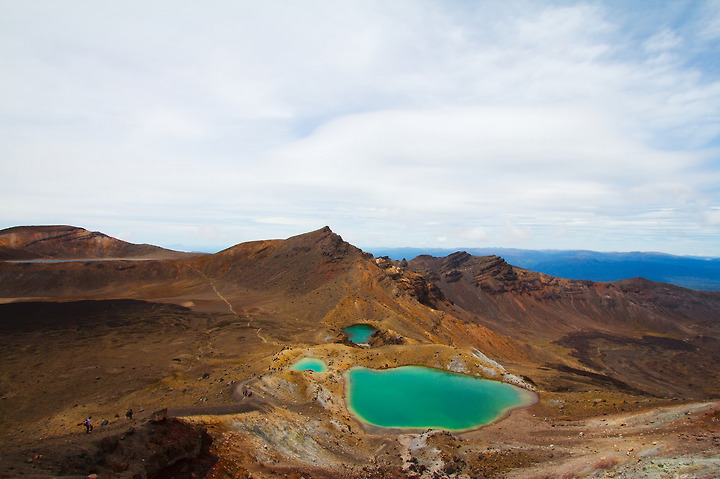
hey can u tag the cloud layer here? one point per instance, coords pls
(566, 125)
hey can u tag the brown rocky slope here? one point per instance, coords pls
(190, 334)
(657, 338)
(70, 242)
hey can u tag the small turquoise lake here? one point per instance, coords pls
(310, 364)
(359, 333)
(418, 397)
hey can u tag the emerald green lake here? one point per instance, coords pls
(417, 397)
(359, 333)
(310, 364)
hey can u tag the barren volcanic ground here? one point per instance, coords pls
(200, 347)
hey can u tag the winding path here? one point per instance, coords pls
(222, 297)
(232, 310)
(257, 331)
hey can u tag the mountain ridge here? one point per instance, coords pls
(694, 272)
(71, 242)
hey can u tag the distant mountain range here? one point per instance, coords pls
(686, 271)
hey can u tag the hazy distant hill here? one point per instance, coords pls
(689, 272)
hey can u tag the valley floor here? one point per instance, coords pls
(296, 425)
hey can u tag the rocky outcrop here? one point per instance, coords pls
(153, 449)
(416, 285)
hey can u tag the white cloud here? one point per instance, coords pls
(662, 41)
(476, 234)
(709, 27)
(712, 216)
(394, 123)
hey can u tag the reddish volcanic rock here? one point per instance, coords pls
(69, 242)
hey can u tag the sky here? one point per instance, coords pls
(198, 125)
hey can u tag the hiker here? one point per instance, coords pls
(129, 414)
(87, 424)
